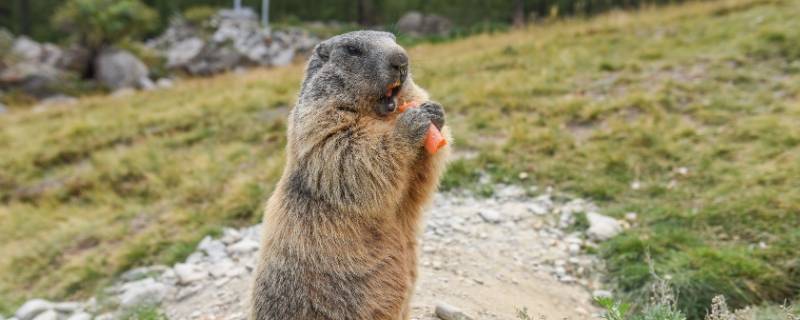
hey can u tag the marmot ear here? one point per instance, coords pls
(323, 51)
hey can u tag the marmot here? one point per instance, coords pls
(339, 238)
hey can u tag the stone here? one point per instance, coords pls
(214, 249)
(490, 216)
(602, 294)
(602, 227)
(141, 293)
(32, 308)
(47, 315)
(283, 57)
(188, 273)
(221, 268)
(143, 272)
(416, 24)
(80, 316)
(27, 49)
(411, 23)
(230, 236)
(67, 307)
(123, 92)
(59, 99)
(165, 83)
(3, 108)
(538, 208)
(631, 217)
(447, 312)
(574, 248)
(146, 84)
(34, 78)
(183, 52)
(243, 246)
(117, 69)
(436, 25)
(105, 316)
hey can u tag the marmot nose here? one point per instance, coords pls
(399, 61)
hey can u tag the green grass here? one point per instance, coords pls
(588, 106)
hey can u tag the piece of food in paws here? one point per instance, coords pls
(434, 141)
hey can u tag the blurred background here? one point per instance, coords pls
(130, 130)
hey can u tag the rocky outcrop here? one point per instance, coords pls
(417, 24)
(236, 40)
(118, 69)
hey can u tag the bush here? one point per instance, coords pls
(103, 22)
(199, 15)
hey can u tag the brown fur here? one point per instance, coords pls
(340, 230)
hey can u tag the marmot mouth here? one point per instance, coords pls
(389, 100)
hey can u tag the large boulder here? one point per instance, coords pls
(27, 49)
(414, 23)
(36, 79)
(118, 69)
(183, 52)
(411, 23)
(214, 59)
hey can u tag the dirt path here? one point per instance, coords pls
(487, 257)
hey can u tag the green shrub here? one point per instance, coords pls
(199, 15)
(103, 22)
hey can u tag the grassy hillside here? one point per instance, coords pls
(689, 116)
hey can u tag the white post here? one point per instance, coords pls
(237, 5)
(265, 13)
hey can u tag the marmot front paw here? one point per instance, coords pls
(413, 125)
(435, 112)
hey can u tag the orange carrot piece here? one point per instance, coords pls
(404, 106)
(434, 140)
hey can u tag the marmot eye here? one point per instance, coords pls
(353, 50)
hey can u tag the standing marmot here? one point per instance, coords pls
(340, 229)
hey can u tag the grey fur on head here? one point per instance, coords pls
(353, 68)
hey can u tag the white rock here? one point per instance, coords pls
(105, 316)
(243, 246)
(143, 272)
(574, 248)
(67, 307)
(537, 208)
(602, 294)
(169, 277)
(195, 258)
(447, 312)
(510, 191)
(142, 292)
(32, 308)
(602, 227)
(631, 216)
(164, 83)
(117, 69)
(215, 249)
(80, 316)
(490, 216)
(47, 315)
(220, 269)
(188, 273)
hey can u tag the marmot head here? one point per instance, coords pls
(363, 69)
